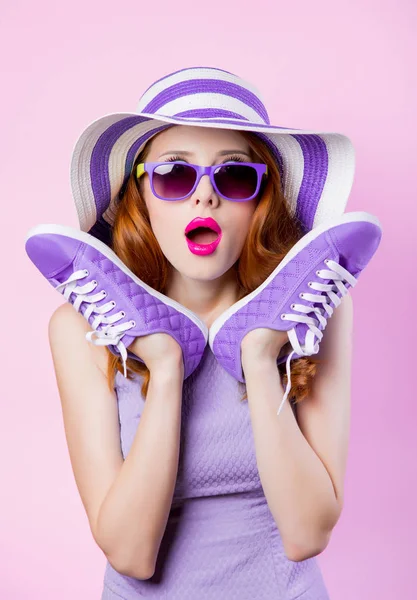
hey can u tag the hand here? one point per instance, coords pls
(263, 342)
(156, 349)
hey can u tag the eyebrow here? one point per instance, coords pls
(222, 153)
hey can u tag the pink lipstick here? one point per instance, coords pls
(198, 247)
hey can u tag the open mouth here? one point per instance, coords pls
(202, 235)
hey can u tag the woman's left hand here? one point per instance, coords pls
(263, 342)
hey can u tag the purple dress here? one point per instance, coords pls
(221, 541)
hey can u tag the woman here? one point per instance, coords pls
(192, 488)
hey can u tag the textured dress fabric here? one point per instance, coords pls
(221, 541)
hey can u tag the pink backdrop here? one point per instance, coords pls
(344, 67)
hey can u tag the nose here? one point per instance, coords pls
(205, 192)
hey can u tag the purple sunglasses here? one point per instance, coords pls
(237, 181)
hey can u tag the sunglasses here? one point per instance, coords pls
(237, 181)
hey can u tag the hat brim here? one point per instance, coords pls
(316, 167)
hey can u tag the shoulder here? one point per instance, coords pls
(67, 330)
(66, 316)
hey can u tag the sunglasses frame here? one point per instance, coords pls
(148, 167)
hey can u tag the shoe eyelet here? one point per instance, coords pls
(301, 295)
(318, 273)
(283, 316)
(105, 294)
(133, 323)
(113, 302)
(86, 272)
(292, 306)
(94, 281)
(123, 313)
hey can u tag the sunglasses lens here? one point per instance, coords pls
(172, 181)
(236, 182)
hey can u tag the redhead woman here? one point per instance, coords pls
(205, 372)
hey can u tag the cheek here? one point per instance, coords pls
(244, 219)
(165, 225)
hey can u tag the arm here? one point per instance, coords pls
(135, 511)
(127, 502)
(302, 466)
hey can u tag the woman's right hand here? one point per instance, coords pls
(156, 349)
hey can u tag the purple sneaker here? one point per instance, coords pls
(301, 293)
(116, 303)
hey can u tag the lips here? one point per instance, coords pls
(208, 222)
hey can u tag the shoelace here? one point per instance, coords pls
(110, 334)
(338, 274)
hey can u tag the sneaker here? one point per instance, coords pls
(117, 304)
(301, 293)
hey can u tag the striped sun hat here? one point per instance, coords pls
(316, 168)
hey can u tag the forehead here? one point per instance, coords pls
(194, 139)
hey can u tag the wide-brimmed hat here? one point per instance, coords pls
(316, 167)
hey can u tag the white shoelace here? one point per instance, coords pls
(338, 274)
(109, 335)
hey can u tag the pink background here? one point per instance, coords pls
(344, 67)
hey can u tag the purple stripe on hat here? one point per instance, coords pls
(99, 174)
(211, 86)
(204, 113)
(99, 165)
(102, 231)
(182, 71)
(316, 164)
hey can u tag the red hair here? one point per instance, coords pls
(272, 233)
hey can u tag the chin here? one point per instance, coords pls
(208, 271)
(203, 268)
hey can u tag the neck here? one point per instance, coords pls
(206, 299)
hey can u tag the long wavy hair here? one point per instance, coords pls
(272, 233)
